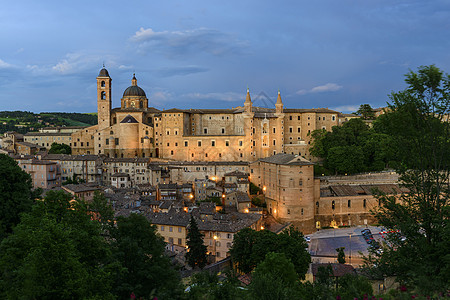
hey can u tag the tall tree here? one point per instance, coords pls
(56, 252)
(146, 270)
(15, 194)
(366, 112)
(418, 121)
(196, 255)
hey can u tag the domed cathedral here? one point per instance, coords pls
(245, 133)
(121, 132)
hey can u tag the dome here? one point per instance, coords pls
(103, 73)
(134, 90)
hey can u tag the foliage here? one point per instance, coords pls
(254, 189)
(60, 149)
(205, 285)
(352, 148)
(353, 286)
(366, 112)
(274, 278)
(73, 180)
(24, 121)
(146, 271)
(259, 202)
(341, 255)
(418, 123)
(196, 254)
(56, 252)
(250, 247)
(15, 194)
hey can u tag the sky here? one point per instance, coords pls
(204, 54)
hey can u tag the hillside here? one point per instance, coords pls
(24, 121)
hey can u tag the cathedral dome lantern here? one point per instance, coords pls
(134, 96)
(134, 90)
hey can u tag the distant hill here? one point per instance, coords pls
(24, 121)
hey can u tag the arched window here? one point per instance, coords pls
(317, 207)
(333, 205)
(103, 96)
(364, 203)
(141, 104)
(103, 83)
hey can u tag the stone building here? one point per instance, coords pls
(44, 174)
(244, 133)
(288, 184)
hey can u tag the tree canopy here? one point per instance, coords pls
(196, 254)
(60, 149)
(352, 148)
(15, 194)
(366, 112)
(250, 248)
(418, 250)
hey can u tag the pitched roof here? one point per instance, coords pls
(286, 159)
(129, 119)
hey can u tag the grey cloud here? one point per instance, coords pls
(180, 71)
(178, 43)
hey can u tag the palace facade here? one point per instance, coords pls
(245, 133)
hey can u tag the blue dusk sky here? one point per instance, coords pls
(204, 54)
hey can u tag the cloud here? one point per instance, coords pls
(228, 96)
(5, 65)
(346, 108)
(329, 87)
(183, 70)
(178, 43)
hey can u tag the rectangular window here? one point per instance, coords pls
(223, 130)
(205, 130)
(241, 143)
(186, 143)
(199, 143)
(116, 141)
(227, 143)
(274, 130)
(162, 228)
(170, 229)
(179, 242)
(213, 143)
(107, 141)
(179, 230)
(290, 129)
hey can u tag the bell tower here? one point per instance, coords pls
(104, 99)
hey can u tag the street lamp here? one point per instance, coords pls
(350, 257)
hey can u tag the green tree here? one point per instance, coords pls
(196, 253)
(274, 278)
(146, 270)
(354, 287)
(341, 255)
(366, 112)
(60, 149)
(56, 252)
(15, 194)
(419, 124)
(250, 247)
